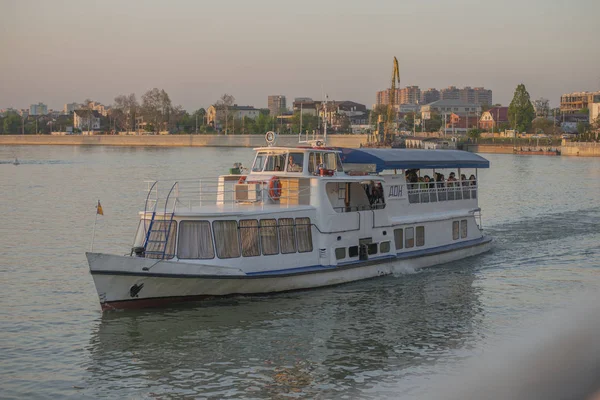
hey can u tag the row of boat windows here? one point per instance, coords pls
(459, 229)
(354, 251)
(232, 239)
(403, 238)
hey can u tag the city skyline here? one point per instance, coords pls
(60, 54)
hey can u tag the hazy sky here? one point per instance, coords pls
(61, 51)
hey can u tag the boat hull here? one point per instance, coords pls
(122, 283)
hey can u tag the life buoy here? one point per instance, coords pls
(242, 179)
(275, 188)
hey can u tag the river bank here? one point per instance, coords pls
(351, 141)
(577, 149)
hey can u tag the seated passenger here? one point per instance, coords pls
(451, 179)
(463, 180)
(277, 168)
(292, 166)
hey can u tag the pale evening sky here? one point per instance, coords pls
(64, 51)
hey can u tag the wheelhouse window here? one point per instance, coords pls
(249, 237)
(226, 239)
(409, 237)
(287, 235)
(295, 162)
(275, 162)
(259, 162)
(268, 237)
(304, 234)
(269, 162)
(195, 240)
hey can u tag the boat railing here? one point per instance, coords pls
(225, 190)
(431, 192)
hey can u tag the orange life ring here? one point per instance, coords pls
(242, 179)
(275, 188)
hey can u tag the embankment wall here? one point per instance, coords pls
(581, 149)
(489, 148)
(351, 141)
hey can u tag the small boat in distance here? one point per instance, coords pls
(16, 162)
(302, 217)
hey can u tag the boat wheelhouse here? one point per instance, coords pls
(301, 217)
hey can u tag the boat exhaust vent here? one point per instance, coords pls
(323, 253)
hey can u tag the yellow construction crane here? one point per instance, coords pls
(391, 112)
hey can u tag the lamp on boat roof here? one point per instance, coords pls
(271, 137)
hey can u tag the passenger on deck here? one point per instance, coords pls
(473, 180)
(451, 179)
(463, 180)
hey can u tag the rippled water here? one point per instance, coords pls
(382, 338)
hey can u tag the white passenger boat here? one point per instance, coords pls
(302, 217)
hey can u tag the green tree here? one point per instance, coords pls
(474, 133)
(12, 124)
(309, 122)
(520, 111)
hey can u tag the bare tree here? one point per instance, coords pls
(223, 106)
(125, 111)
(156, 108)
(542, 107)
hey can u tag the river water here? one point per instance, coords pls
(382, 338)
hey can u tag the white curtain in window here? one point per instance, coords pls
(304, 233)
(409, 237)
(226, 239)
(287, 235)
(399, 238)
(420, 235)
(195, 240)
(250, 238)
(268, 237)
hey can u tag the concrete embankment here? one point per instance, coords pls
(581, 149)
(489, 148)
(351, 141)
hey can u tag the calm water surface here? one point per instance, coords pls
(383, 338)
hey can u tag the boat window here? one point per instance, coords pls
(287, 235)
(195, 240)
(268, 237)
(249, 237)
(156, 240)
(226, 239)
(409, 240)
(420, 236)
(295, 162)
(330, 160)
(315, 160)
(304, 232)
(275, 162)
(372, 248)
(455, 230)
(384, 247)
(353, 251)
(340, 253)
(398, 238)
(340, 167)
(259, 162)
(463, 228)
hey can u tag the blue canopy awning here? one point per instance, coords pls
(413, 158)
